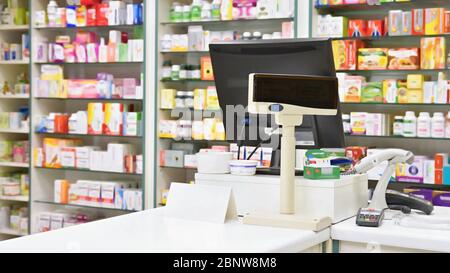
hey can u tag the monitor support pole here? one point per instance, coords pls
(287, 173)
(287, 217)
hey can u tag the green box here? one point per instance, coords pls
(321, 172)
(372, 92)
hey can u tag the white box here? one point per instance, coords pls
(338, 199)
(108, 194)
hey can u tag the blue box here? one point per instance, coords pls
(446, 175)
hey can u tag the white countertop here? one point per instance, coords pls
(150, 231)
(391, 234)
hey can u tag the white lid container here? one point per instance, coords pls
(214, 162)
(243, 167)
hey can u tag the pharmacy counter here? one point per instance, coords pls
(391, 237)
(150, 231)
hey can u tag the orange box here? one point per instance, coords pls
(207, 73)
(439, 177)
(357, 28)
(440, 160)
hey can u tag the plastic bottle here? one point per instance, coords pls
(206, 14)
(438, 125)
(102, 52)
(215, 10)
(410, 124)
(447, 126)
(424, 125)
(196, 10)
(398, 126)
(51, 13)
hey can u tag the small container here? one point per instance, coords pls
(180, 99)
(166, 72)
(257, 35)
(185, 129)
(214, 162)
(196, 72)
(398, 126)
(175, 74)
(189, 100)
(206, 14)
(410, 124)
(183, 72)
(186, 17)
(243, 167)
(247, 36)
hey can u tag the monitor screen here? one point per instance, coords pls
(233, 62)
(304, 91)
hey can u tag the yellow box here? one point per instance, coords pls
(434, 21)
(402, 92)
(415, 81)
(414, 96)
(168, 98)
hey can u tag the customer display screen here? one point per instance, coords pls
(305, 91)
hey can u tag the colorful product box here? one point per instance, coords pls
(372, 92)
(390, 91)
(358, 123)
(375, 28)
(357, 28)
(395, 22)
(406, 23)
(345, 54)
(411, 172)
(372, 58)
(418, 17)
(434, 21)
(433, 53)
(403, 58)
(353, 88)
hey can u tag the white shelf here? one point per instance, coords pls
(14, 198)
(14, 131)
(14, 164)
(18, 62)
(14, 27)
(9, 231)
(13, 97)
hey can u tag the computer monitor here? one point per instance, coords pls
(233, 62)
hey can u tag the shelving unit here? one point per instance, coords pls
(420, 146)
(11, 102)
(165, 175)
(42, 192)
